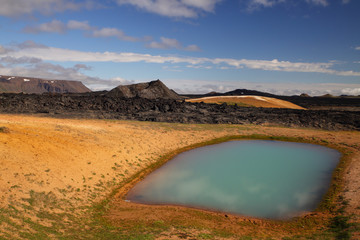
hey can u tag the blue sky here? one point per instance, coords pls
(193, 46)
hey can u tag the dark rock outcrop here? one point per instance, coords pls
(37, 85)
(150, 90)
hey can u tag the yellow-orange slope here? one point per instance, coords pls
(250, 101)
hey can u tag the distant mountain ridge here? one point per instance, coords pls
(16, 84)
(239, 92)
(150, 90)
(236, 92)
(325, 102)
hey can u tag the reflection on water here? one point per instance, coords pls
(268, 179)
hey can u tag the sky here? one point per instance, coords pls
(194, 46)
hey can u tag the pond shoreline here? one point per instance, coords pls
(322, 214)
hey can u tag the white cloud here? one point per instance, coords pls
(16, 8)
(65, 55)
(22, 60)
(3, 50)
(168, 43)
(173, 8)
(82, 66)
(257, 4)
(30, 44)
(205, 5)
(199, 67)
(173, 68)
(169, 8)
(351, 91)
(318, 2)
(192, 48)
(264, 3)
(72, 24)
(121, 81)
(113, 32)
(54, 26)
(357, 48)
(165, 43)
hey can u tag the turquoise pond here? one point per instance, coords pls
(259, 178)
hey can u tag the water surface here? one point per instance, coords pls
(268, 179)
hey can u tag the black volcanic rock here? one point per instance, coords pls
(150, 90)
(37, 85)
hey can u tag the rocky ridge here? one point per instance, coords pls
(15, 84)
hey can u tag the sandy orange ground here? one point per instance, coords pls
(82, 161)
(254, 101)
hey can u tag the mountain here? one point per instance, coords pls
(37, 85)
(327, 96)
(150, 90)
(236, 92)
(239, 92)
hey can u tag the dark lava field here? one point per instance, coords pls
(101, 105)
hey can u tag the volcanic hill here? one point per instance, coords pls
(14, 84)
(150, 90)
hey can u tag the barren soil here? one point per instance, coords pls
(54, 172)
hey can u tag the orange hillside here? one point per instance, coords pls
(248, 101)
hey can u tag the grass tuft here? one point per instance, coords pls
(341, 227)
(4, 130)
